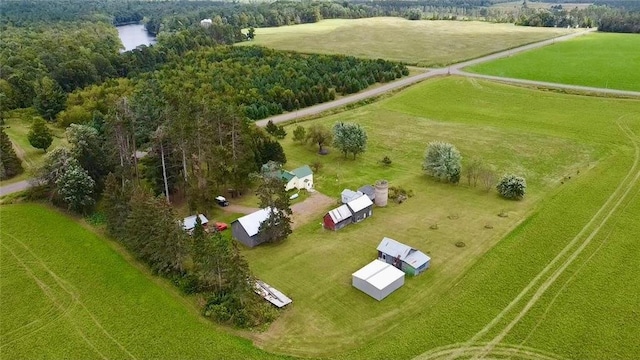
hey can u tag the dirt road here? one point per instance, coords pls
(15, 187)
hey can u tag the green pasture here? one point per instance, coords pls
(67, 293)
(422, 43)
(566, 146)
(17, 126)
(597, 60)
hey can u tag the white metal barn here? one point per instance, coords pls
(378, 279)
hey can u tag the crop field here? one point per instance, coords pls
(422, 43)
(65, 293)
(507, 292)
(597, 60)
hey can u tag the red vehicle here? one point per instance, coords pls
(220, 226)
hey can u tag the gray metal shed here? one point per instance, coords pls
(378, 279)
(245, 229)
(361, 208)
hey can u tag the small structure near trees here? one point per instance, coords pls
(299, 178)
(361, 208)
(245, 229)
(349, 195)
(337, 218)
(271, 294)
(378, 279)
(189, 222)
(403, 257)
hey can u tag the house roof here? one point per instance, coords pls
(302, 171)
(379, 274)
(406, 253)
(189, 222)
(360, 203)
(251, 223)
(287, 175)
(340, 213)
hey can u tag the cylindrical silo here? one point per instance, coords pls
(382, 192)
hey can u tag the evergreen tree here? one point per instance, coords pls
(40, 136)
(50, 98)
(299, 134)
(10, 164)
(272, 195)
(116, 197)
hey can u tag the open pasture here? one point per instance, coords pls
(65, 293)
(566, 146)
(597, 60)
(422, 43)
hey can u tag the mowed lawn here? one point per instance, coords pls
(566, 146)
(422, 43)
(597, 60)
(65, 293)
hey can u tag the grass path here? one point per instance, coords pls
(473, 348)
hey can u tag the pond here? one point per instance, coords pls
(134, 35)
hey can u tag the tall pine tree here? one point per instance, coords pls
(10, 164)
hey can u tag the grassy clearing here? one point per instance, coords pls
(598, 60)
(422, 43)
(542, 135)
(86, 301)
(17, 126)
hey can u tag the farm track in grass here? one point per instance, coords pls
(559, 263)
(57, 290)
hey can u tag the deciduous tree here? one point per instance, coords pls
(320, 135)
(512, 187)
(350, 138)
(442, 161)
(76, 188)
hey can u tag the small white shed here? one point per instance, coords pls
(378, 279)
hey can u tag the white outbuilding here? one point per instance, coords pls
(378, 279)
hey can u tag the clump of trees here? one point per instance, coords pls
(276, 130)
(512, 187)
(349, 138)
(442, 161)
(39, 135)
(319, 134)
(10, 164)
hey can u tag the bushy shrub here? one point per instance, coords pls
(442, 160)
(512, 187)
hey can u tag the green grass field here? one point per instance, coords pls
(566, 146)
(598, 60)
(66, 293)
(17, 126)
(423, 43)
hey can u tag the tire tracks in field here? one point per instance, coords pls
(68, 289)
(599, 219)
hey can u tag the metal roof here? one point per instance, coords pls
(360, 203)
(287, 175)
(379, 274)
(368, 190)
(349, 195)
(251, 223)
(340, 213)
(407, 254)
(189, 222)
(302, 171)
(271, 294)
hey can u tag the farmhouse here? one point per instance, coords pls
(189, 222)
(404, 257)
(300, 178)
(361, 208)
(377, 279)
(337, 218)
(245, 229)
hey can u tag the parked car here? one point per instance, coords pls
(220, 226)
(222, 201)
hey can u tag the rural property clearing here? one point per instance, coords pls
(596, 60)
(421, 43)
(539, 134)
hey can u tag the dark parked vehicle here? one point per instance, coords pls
(222, 201)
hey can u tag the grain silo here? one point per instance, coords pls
(382, 192)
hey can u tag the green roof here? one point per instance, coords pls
(287, 175)
(302, 171)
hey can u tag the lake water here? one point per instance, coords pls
(134, 35)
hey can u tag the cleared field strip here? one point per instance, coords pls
(473, 348)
